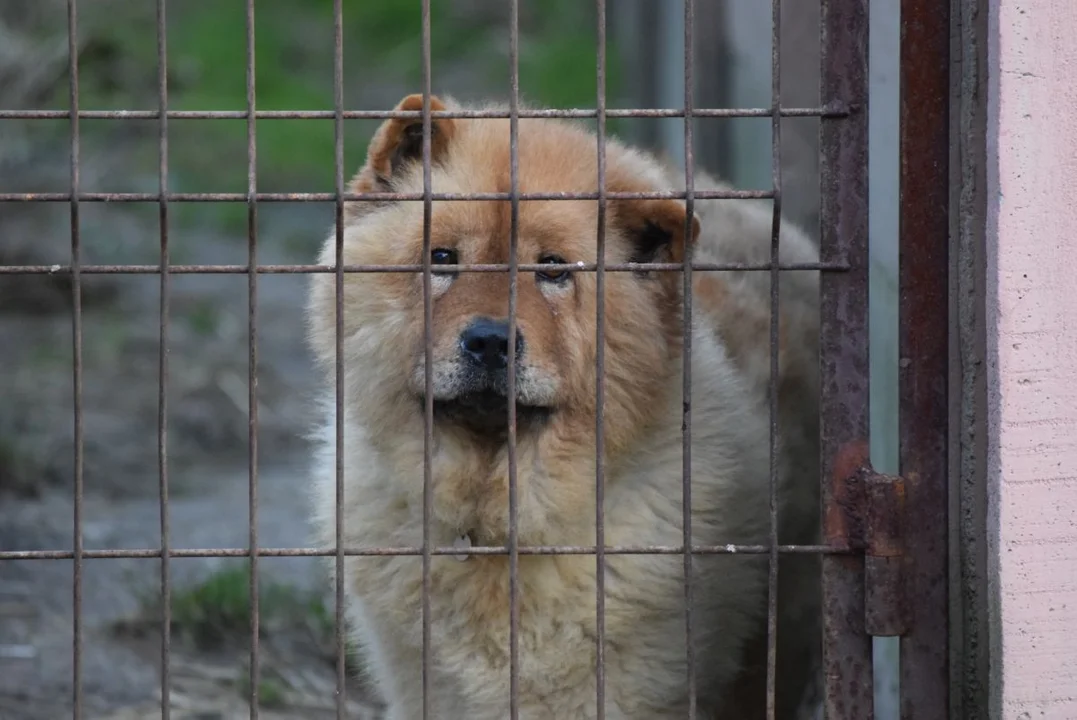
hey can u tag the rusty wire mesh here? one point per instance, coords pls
(843, 266)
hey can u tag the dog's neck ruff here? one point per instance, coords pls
(463, 542)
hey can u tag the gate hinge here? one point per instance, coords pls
(884, 558)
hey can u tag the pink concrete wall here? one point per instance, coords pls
(1032, 343)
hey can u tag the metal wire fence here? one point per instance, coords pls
(844, 420)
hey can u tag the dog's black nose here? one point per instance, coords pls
(485, 342)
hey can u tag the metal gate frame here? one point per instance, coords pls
(843, 356)
(974, 683)
(924, 353)
(900, 586)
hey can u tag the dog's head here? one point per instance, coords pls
(555, 344)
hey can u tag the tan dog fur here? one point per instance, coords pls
(383, 361)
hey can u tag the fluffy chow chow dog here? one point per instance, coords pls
(646, 667)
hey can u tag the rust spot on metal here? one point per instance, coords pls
(884, 586)
(842, 522)
(885, 515)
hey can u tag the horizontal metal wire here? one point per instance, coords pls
(313, 269)
(122, 197)
(835, 111)
(731, 549)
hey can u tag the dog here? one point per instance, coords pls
(645, 651)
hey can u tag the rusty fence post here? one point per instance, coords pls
(847, 648)
(923, 346)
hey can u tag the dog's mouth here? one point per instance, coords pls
(486, 413)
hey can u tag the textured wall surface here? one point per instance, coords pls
(1032, 345)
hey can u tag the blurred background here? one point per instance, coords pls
(208, 450)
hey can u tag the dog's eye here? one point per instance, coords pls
(443, 256)
(552, 275)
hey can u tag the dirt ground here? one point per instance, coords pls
(208, 480)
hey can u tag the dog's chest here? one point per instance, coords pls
(470, 627)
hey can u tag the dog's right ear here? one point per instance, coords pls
(398, 143)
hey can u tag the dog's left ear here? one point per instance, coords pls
(657, 230)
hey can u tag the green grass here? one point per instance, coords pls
(207, 64)
(203, 317)
(14, 467)
(218, 609)
(272, 692)
(215, 609)
(558, 64)
(214, 616)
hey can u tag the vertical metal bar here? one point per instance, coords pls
(971, 601)
(686, 418)
(775, 284)
(923, 346)
(514, 232)
(847, 648)
(600, 373)
(76, 340)
(252, 361)
(162, 387)
(338, 180)
(428, 354)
